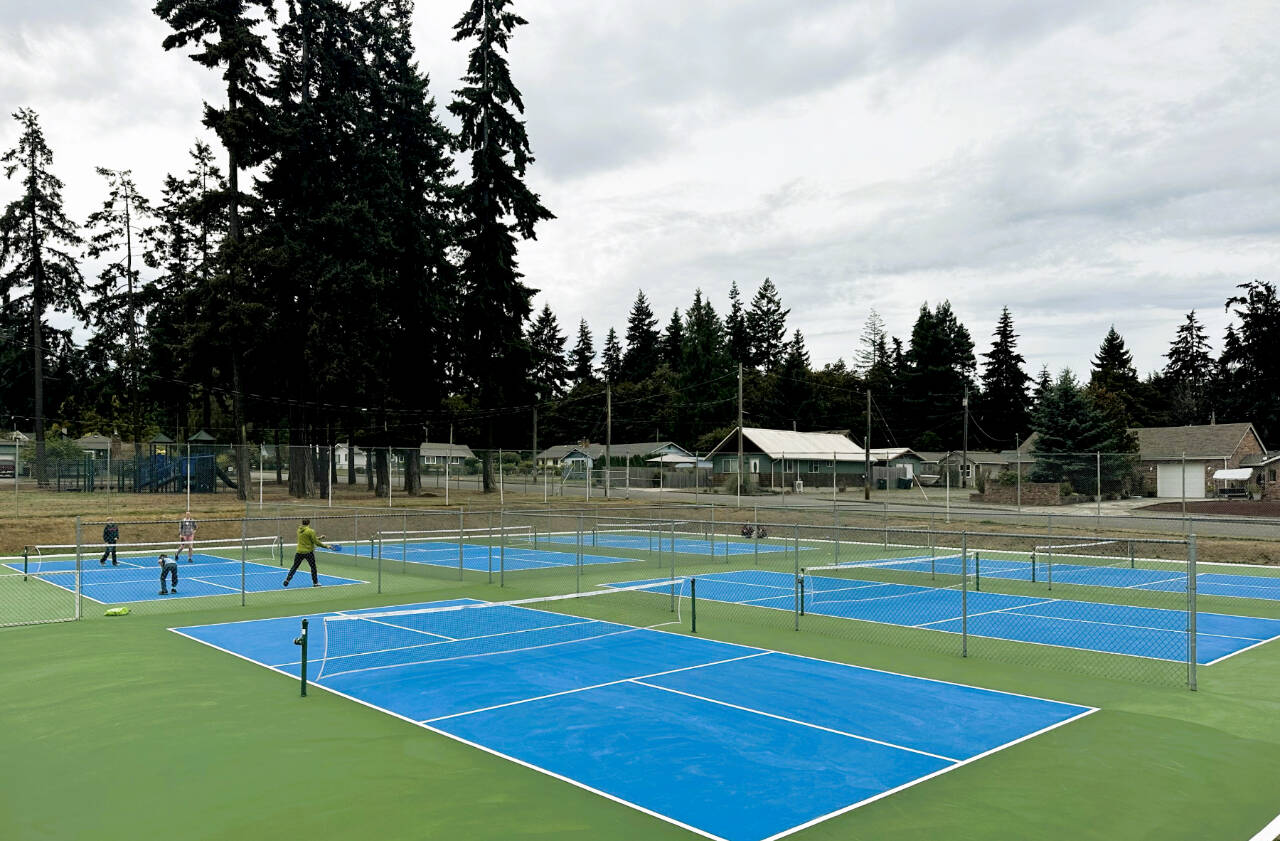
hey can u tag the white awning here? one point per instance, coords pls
(1240, 474)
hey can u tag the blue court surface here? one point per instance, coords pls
(1119, 575)
(655, 541)
(480, 558)
(206, 575)
(1091, 626)
(731, 742)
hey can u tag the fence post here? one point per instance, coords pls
(461, 534)
(490, 541)
(79, 561)
(577, 581)
(244, 556)
(964, 594)
(1191, 611)
(835, 522)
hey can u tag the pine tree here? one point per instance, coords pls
(1254, 356)
(767, 328)
(735, 326)
(710, 376)
(181, 249)
(939, 368)
(583, 355)
(1188, 372)
(37, 270)
(1113, 373)
(550, 374)
(1004, 406)
(496, 207)
(673, 343)
(611, 358)
(224, 33)
(871, 344)
(643, 353)
(1074, 424)
(116, 231)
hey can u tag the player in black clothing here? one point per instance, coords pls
(110, 534)
(169, 567)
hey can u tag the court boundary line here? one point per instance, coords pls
(1085, 712)
(640, 681)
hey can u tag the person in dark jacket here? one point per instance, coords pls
(110, 534)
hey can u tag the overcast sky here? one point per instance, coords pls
(1084, 163)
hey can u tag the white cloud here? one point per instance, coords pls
(1083, 162)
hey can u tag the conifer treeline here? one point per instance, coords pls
(345, 268)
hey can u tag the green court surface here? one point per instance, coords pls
(116, 728)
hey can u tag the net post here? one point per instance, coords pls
(933, 554)
(693, 605)
(26, 550)
(964, 594)
(79, 559)
(800, 588)
(1033, 565)
(1191, 612)
(1131, 557)
(302, 642)
(977, 570)
(461, 535)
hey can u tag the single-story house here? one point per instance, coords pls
(620, 454)
(783, 457)
(438, 455)
(10, 444)
(1181, 460)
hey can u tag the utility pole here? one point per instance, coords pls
(608, 436)
(739, 434)
(866, 454)
(536, 396)
(964, 476)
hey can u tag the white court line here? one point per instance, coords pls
(989, 612)
(640, 681)
(1270, 832)
(594, 686)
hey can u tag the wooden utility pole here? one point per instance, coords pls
(739, 434)
(608, 436)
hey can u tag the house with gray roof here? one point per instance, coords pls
(1181, 460)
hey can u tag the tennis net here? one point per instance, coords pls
(361, 642)
(55, 559)
(446, 540)
(882, 579)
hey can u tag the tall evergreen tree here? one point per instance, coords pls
(735, 327)
(550, 373)
(611, 358)
(1256, 361)
(643, 352)
(496, 208)
(940, 367)
(1004, 406)
(226, 36)
(180, 250)
(871, 344)
(1114, 374)
(38, 272)
(673, 343)
(1229, 403)
(116, 232)
(583, 355)
(767, 328)
(1072, 427)
(1188, 372)
(709, 376)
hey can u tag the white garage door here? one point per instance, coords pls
(1169, 480)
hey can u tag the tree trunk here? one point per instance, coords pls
(383, 471)
(413, 472)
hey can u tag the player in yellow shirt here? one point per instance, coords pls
(306, 551)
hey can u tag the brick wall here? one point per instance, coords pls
(1033, 493)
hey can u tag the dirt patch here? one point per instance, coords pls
(1223, 507)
